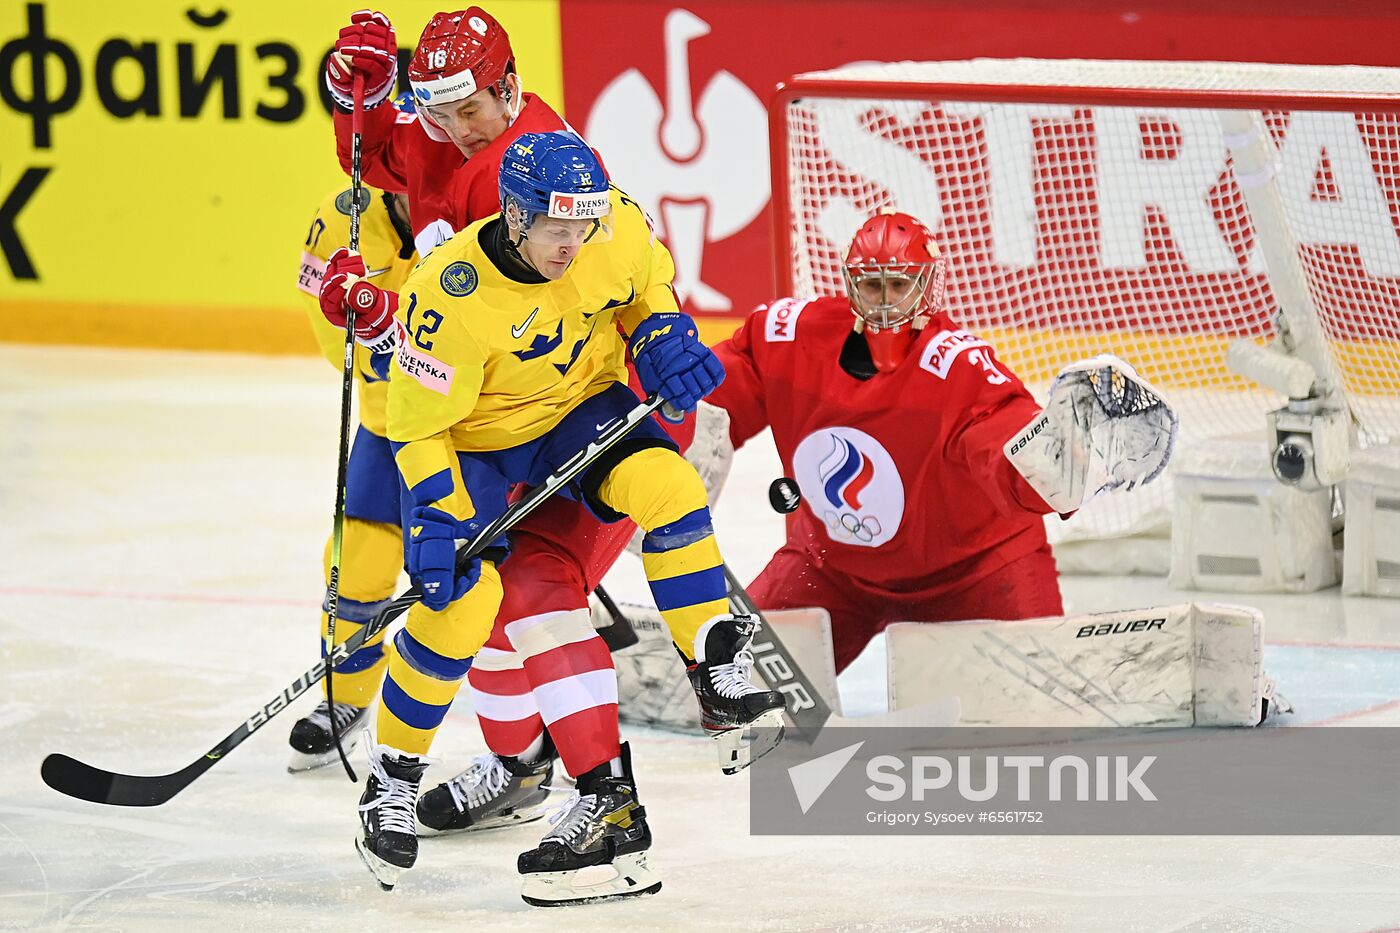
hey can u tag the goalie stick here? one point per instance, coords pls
(806, 707)
(85, 782)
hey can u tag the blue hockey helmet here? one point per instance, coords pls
(555, 177)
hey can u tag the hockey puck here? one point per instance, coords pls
(783, 495)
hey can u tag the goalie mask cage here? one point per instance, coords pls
(1154, 210)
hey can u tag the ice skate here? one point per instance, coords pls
(731, 707)
(495, 791)
(311, 741)
(389, 845)
(597, 849)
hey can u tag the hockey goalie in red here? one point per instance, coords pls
(925, 465)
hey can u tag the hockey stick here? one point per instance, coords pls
(76, 779)
(342, 462)
(808, 711)
(806, 707)
(620, 634)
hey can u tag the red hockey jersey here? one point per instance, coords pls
(445, 191)
(905, 487)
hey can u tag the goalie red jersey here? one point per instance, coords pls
(911, 510)
(904, 483)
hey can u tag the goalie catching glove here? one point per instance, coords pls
(1103, 427)
(344, 286)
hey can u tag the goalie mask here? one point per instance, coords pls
(894, 277)
(459, 54)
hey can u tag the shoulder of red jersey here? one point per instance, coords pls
(538, 117)
(952, 350)
(777, 321)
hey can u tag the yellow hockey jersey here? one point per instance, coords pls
(488, 363)
(389, 258)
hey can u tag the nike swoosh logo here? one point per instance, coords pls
(373, 272)
(605, 425)
(518, 331)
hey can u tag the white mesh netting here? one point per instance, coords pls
(1078, 228)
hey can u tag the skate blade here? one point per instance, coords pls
(522, 815)
(625, 876)
(385, 873)
(304, 761)
(741, 747)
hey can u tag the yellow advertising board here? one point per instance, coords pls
(160, 162)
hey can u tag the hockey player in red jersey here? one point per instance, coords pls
(899, 431)
(469, 106)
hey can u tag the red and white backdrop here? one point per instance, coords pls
(675, 95)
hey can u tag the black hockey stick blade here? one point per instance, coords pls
(84, 782)
(76, 779)
(620, 634)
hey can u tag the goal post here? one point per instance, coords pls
(1160, 211)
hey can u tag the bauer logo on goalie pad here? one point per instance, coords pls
(430, 373)
(852, 484)
(1120, 628)
(780, 320)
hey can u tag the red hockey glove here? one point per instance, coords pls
(344, 284)
(366, 47)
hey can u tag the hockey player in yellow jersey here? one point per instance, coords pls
(372, 548)
(510, 359)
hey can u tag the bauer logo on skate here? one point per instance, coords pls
(850, 481)
(431, 373)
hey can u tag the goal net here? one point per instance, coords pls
(1154, 210)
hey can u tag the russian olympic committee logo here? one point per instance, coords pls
(459, 279)
(850, 480)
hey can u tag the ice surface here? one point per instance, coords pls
(163, 518)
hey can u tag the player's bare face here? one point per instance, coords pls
(552, 243)
(893, 294)
(474, 122)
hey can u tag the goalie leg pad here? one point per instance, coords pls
(1187, 664)
(1103, 427)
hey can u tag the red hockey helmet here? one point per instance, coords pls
(458, 54)
(894, 276)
